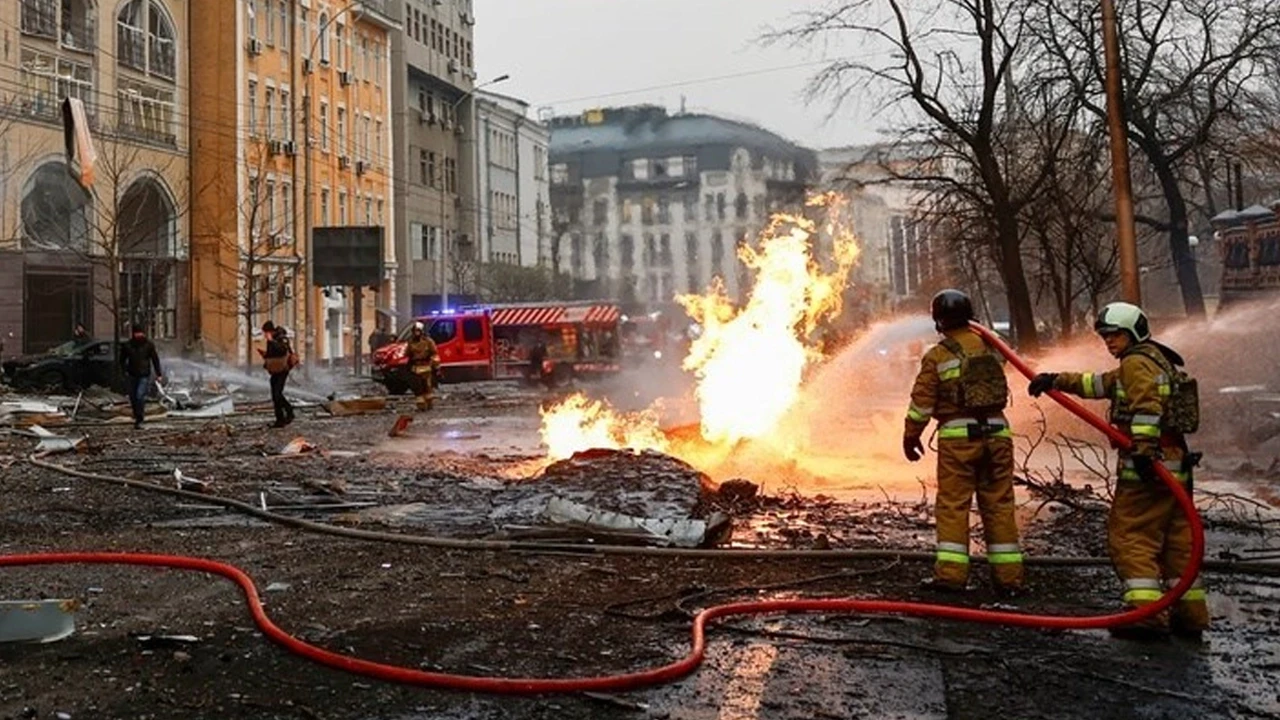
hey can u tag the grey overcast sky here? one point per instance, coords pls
(576, 54)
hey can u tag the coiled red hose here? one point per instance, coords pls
(686, 665)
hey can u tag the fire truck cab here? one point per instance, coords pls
(495, 342)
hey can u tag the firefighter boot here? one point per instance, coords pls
(1151, 629)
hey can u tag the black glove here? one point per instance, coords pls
(1145, 466)
(912, 448)
(1042, 384)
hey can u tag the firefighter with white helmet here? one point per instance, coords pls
(424, 364)
(1156, 405)
(962, 385)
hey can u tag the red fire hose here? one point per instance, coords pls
(686, 665)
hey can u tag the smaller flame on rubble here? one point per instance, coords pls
(579, 423)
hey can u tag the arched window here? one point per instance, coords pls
(55, 210)
(145, 39)
(146, 223)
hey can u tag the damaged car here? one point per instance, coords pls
(68, 368)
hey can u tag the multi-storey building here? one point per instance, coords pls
(514, 197)
(291, 116)
(647, 205)
(436, 217)
(116, 253)
(899, 260)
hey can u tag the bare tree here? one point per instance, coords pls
(499, 282)
(1189, 67)
(952, 62)
(261, 257)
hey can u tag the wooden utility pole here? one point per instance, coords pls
(1126, 235)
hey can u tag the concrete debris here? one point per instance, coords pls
(41, 621)
(166, 641)
(297, 446)
(680, 532)
(184, 482)
(277, 587)
(51, 442)
(355, 406)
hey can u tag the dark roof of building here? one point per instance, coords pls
(649, 130)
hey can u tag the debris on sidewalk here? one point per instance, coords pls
(183, 482)
(40, 621)
(297, 446)
(355, 406)
(51, 442)
(216, 407)
(680, 532)
(25, 413)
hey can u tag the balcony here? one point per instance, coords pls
(40, 18)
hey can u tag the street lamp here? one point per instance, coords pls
(308, 218)
(444, 244)
(1126, 235)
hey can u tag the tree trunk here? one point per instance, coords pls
(1021, 316)
(1184, 263)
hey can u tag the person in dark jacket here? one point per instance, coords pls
(138, 357)
(278, 361)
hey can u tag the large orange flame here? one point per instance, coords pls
(749, 361)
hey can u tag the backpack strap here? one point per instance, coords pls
(953, 346)
(1154, 355)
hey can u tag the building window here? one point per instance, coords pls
(286, 116)
(600, 255)
(267, 225)
(304, 32)
(646, 211)
(342, 131)
(600, 212)
(77, 29)
(145, 40)
(640, 169)
(271, 22)
(379, 156)
(286, 210)
(664, 251)
(46, 80)
(664, 210)
(324, 126)
(339, 47)
(322, 37)
(146, 112)
(690, 203)
(709, 202)
(720, 206)
(628, 247)
(252, 109)
(324, 207)
(269, 112)
(286, 39)
(417, 241)
(740, 206)
(450, 175)
(39, 17)
(560, 174)
(693, 269)
(717, 254)
(251, 18)
(342, 208)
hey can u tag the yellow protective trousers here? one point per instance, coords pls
(976, 461)
(1150, 544)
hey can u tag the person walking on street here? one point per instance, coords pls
(424, 363)
(278, 359)
(962, 385)
(1156, 405)
(138, 357)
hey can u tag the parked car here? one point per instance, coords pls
(70, 367)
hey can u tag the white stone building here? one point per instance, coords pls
(512, 187)
(648, 205)
(898, 262)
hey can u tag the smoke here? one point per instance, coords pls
(184, 371)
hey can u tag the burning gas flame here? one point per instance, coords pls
(579, 423)
(749, 361)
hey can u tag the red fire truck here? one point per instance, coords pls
(487, 342)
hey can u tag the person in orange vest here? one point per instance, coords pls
(1148, 537)
(962, 385)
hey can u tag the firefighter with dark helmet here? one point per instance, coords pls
(962, 385)
(1156, 405)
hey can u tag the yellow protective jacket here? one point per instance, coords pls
(939, 367)
(1139, 391)
(422, 352)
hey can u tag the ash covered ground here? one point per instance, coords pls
(472, 469)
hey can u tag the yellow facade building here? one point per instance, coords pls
(116, 253)
(290, 129)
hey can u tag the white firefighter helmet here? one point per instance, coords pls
(1123, 317)
(417, 326)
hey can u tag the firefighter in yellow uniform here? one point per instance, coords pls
(961, 384)
(1148, 537)
(424, 363)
